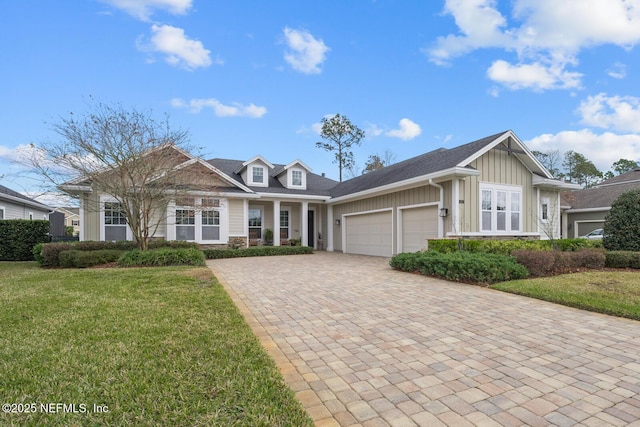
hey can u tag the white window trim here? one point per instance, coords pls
(30, 216)
(288, 210)
(109, 199)
(303, 184)
(262, 226)
(224, 220)
(4, 212)
(545, 201)
(265, 175)
(509, 189)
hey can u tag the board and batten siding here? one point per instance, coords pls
(237, 217)
(91, 218)
(496, 167)
(414, 196)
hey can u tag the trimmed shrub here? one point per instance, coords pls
(19, 236)
(50, 253)
(84, 259)
(257, 251)
(461, 266)
(507, 247)
(162, 257)
(549, 263)
(622, 259)
(622, 223)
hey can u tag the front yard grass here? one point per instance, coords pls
(144, 347)
(608, 292)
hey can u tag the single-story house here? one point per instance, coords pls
(490, 188)
(585, 210)
(14, 205)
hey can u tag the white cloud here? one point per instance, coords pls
(621, 113)
(534, 76)
(179, 50)
(546, 36)
(617, 71)
(19, 154)
(306, 53)
(408, 130)
(373, 130)
(602, 149)
(235, 110)
(143, 9)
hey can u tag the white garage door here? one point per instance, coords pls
(369, 234)
(418, 225)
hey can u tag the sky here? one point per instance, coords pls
(249, 78)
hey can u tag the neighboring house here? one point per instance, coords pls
(14, 205)
(71, 218)
(490, 188)
(585, 210)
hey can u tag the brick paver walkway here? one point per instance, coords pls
(361, 344)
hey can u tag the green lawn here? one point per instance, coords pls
(151, 346)
(609, 292)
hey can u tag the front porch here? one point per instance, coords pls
(286, 222)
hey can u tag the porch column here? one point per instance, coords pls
(304, 232)
(329, 228)
(276, 223)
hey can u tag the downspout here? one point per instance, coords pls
(440, 206)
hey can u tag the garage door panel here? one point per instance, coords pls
(418, 225)
(369, 234)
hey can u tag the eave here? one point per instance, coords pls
(455, 172)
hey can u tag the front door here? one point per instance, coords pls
(310, 229)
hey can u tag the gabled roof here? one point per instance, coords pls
(316, 184)
(15, 197)
(254, 159)
(602, 196)
(426, 164)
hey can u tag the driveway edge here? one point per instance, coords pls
(310, 400)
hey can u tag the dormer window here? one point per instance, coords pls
(257, 173)
(296, 178)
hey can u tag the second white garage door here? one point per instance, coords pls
(369, 234)
(418, 225)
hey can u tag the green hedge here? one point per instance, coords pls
(19, 236)
(506, 247)
(257, 251)
(84, 259)
(48, 255)
(622, 259)
(461, 266)
(162, 257)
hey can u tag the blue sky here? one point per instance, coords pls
(253, 77)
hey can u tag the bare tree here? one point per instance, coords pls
(139, 162)
(377, 161)
(341, 135)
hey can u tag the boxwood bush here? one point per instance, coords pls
(84, 259)
(162, 257)
(506, 247)
(622, 259)
(48, 255)
(461, 266)
(257, 251)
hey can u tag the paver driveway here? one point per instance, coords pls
(362, 344)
